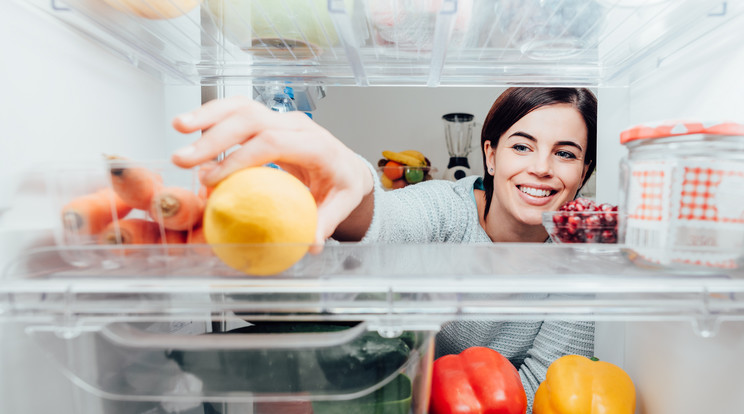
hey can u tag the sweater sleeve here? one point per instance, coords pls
(554, 340)
(423, 213)
(431, 211)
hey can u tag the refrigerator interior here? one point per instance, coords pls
(82, 80)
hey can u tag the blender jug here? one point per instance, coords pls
(458, 134)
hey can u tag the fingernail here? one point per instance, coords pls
(185, 151)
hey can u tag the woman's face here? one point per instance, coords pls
(538, 163)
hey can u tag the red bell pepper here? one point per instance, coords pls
(479, 380)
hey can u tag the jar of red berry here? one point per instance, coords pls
(682, 191)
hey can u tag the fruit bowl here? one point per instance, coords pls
(399, 176)
(400, 169)
(582, 221)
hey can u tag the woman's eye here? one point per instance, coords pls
(566, 154)
(520, 147)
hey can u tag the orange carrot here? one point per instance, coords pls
(131, 231)
(205, 192)
(89, 214)
(177, 208)
(196, 236)
(135, 185)
(173, 237)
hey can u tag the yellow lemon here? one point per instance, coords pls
(260, 220)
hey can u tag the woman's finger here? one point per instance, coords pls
(252, 153)
(334, 208)
(213, 112)
(234, 130)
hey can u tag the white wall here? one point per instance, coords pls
(671, 360)
(676, 371)
(63, 98)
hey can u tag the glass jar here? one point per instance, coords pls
(682, 191)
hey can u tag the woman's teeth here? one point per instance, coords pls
(534, 191)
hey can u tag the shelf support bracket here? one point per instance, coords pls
(342, 22)
(55, 7)
(442, 32)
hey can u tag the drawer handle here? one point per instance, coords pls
(127, 335)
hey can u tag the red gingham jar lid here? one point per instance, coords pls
(676, 128)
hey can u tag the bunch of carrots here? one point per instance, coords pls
(175, 213)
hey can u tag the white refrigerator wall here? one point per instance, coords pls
(677, 369)
(64, 98)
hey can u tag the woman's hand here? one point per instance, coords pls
(338, 179)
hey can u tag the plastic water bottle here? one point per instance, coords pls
(281, 100)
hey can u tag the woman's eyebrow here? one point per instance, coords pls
(557, 144)
(523, 134)
(570, 144)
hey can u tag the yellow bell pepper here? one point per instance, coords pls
(579, 385)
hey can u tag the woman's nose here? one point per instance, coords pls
(541, 166)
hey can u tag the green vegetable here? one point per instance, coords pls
(393, 398)
(365, 361)
(350, 367)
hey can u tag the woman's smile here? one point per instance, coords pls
(536, 191)
(535, 195)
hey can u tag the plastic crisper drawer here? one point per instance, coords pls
(262, 367)
(398, 42)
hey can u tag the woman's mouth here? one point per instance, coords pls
(536, 192)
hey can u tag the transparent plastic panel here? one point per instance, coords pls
(392, 287)
(405, 42)
(108, 206)
(181, 365)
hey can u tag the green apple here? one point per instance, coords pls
(414, 175)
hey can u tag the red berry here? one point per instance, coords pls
(574, 221)
(577, 224)
(592, 221)
(593, 236)
(609, 236)
(609, 219)
(559, 219)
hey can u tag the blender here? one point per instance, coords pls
(458, 134)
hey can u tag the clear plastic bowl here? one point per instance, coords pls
(582, 226)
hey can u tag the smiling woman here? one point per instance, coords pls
(538, 150)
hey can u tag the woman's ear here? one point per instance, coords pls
(489, 152)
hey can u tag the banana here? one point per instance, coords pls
(405, 159)
(416, 154)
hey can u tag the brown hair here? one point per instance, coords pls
(515, 103)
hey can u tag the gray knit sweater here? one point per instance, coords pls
(445, 212)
